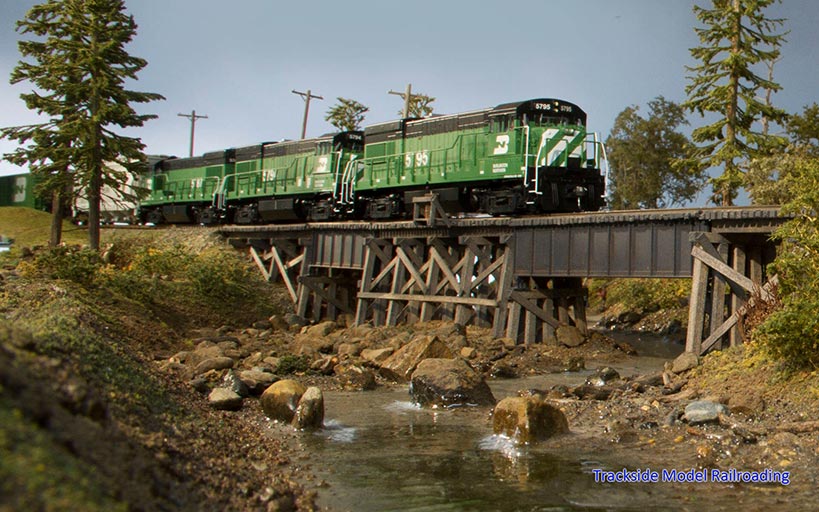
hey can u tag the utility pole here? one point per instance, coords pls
(307, 96)
(193, 117)
(407, 96)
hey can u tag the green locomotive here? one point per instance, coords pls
(525, 157)
(268, 182)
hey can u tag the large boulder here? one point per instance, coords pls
(399, 366)
(447, 382)
(310, 410)
(279, 401)
(528, 419)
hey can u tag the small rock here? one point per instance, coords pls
(257, 381)
(262, 325)
(448, 382)
(704, 411)
(232, 382)
(574, 364)
(278, 323)
(310, 410)
(528, 419)
(224, 400)
(279, 401)
(593, 392)
(469, 353)
(345, 320)
(215, 363)
(321, 330)
(508, 343)
(602, 376)
(349, 349)
(503, 371)
(325, 365)
(684, 362)
(294, 321)
(355, 377)
(748, 404)
(569, 336)
(376, 355)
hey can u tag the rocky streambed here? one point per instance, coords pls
(613, 417)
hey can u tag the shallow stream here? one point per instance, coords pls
(380, 452)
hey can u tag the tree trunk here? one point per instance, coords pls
(57, 214)
(94, 192)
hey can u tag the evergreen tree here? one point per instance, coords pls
(736, 39)
(803, 129)
(346, 115)
(79, 67)
(646, 155)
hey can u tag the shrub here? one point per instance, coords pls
(644, 295)
(791, 334)
(69, 263)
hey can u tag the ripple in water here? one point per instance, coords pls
(337, 432)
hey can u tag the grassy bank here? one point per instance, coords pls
(87, 422)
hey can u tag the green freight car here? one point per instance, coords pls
(524, 157)
(18, 190)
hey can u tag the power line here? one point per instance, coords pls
(306, 96)
(193, 116)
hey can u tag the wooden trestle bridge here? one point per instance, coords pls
(521, 276)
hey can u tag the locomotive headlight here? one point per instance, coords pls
(580, 191)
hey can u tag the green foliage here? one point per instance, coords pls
(346, 115)
(78, 65)
(36, 473)
(220, 276)
(803, 129)
(420, 105)
(645, 157)
(292, 364)
(645, 295)
(791, 334)
(736, 39)
(70, 263)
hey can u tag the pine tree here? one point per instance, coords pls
(645, 158)
(79, 67)
(346, 115)
(737, 38)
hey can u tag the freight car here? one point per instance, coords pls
(18, 190)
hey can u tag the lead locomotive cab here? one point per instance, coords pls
(558, 159)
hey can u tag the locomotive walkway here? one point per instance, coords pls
(522, 276)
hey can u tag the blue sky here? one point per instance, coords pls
(237, 62)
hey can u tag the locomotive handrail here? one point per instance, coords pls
(261, 172)
(175, 182)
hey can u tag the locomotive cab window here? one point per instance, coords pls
(501, 124)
